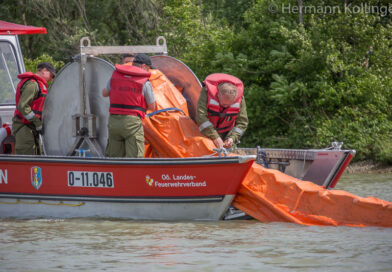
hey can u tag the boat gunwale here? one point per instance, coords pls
(127, 161)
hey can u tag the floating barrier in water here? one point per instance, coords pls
(270, 196)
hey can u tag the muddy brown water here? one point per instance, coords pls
(126, 245)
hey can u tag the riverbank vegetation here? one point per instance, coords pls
(311, 78)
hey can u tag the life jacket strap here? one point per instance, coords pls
(128, 107)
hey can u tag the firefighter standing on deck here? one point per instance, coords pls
(130, 95)
(30, 99)
(221, 110)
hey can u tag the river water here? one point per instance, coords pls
(124, 245)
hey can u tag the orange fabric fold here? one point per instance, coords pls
(172, 134)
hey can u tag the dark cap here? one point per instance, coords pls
(48, 66)
(143, 59)
(128, 55)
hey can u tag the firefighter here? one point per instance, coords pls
(130, 94)
(221, 110)
(30, 98)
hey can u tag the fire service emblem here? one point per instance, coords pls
(36, 177)
(149, 180)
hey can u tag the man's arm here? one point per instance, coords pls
(149, 96)
(27, 94)
(151, 107)
(205, 126)
(241, 123)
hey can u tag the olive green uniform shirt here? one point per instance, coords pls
(28, 93)
(26, 141)
(241, 123)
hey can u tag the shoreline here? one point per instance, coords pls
(368, 167)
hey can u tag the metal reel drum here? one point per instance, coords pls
(64, 100)
(181, 76)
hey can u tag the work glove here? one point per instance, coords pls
(38, 125)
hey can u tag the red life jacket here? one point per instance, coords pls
(126, 91)
(223, 119)
(38, 103)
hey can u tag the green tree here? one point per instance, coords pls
(312, 83)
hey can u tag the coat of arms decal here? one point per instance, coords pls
(36, 177)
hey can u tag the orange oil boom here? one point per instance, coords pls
(265, 194)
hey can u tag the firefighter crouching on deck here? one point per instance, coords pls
(30, 99)
(130, 95)
(221, 110)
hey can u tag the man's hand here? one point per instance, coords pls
(38, 125)
(228, 143)
(151, 107)
(105, 93)
(218, 142)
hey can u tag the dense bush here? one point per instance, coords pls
(31, 64)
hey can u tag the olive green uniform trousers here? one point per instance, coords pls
(26, 141)
(126, 136)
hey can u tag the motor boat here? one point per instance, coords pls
(74, 179)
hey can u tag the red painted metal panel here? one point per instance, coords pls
(341, 170)
(128, 180)
(7, 28)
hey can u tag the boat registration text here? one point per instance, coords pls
(90, 179)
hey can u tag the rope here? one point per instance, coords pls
(221, 152)
(40, 202)
(263, 155)
(164, 110)
(211, 155)
(303, 165)
(297, 202)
